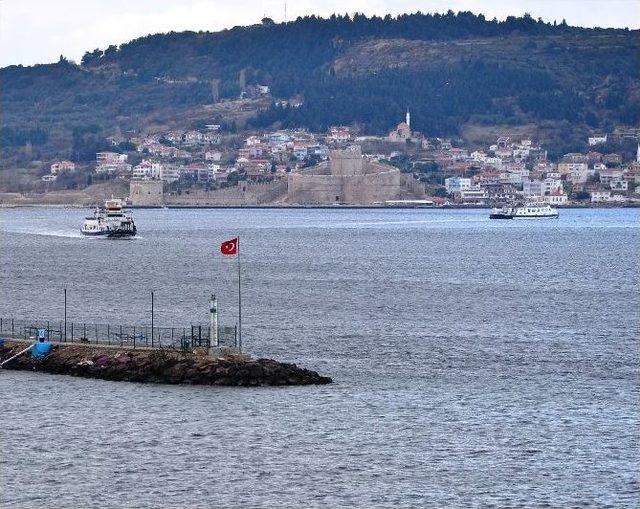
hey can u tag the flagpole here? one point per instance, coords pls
(239, 301)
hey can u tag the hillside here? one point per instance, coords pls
(451, 70)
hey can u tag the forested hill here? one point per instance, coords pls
(448, 69)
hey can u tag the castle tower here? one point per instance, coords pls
(408, 118)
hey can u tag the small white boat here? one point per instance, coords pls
(110, 221)
(527, 211)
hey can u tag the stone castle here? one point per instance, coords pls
(347, 178)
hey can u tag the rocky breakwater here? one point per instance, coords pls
(160, 366)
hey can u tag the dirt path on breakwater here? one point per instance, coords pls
(159, 366)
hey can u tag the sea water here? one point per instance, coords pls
(477, 363)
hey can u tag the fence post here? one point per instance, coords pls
(121, 335)
(151, 320)
(12, 331)
(134, 336)
(48, 331)
(72, 332)
(108, 336)
(84, 331)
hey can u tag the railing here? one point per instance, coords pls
(130, 336)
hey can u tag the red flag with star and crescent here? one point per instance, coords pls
(230, 247)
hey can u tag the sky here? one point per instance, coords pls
(39, 31)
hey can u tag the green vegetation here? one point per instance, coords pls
(449, 69)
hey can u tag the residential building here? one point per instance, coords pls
(619, 185)
(556, 198)
(610, 174)
(473, 195)
(339, 134)
(533, 187)
(567, 167)
(110, 158)
(600, 196)
(456, 184)
(597, 140)
(60, 166)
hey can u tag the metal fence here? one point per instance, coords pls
(130, 336)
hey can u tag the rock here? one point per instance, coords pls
(161, 366)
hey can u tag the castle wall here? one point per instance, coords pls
(245, 193)
(146, 192)
(374, 183)
(313, 189)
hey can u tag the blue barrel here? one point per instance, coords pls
(41, 349)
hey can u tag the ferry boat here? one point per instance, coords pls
(110, 221)
(527, 211)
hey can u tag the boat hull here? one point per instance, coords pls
(500, 216)
(109, 234)
(545, 216)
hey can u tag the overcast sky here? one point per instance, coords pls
(39, 31)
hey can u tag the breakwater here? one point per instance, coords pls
(160, 366)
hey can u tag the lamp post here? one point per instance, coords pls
(65, 315)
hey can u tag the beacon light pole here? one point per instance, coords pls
(213, 322)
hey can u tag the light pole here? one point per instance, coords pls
(65, 315)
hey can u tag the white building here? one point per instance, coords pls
(169, 173)
(597, 140)
(473, 195)
(610, 174)
(533, 187)
(110, 158)
(339, 134)
(565, 168)
(619, 185)
(212, 155)
(147, 170)
(60, 166)
(600, 196)
(580, 174)
(552, 185)
(456, 184)
(556, 198)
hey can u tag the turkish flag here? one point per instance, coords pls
(230, 247)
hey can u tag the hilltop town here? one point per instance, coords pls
(208, 166)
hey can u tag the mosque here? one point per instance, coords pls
(402, 132)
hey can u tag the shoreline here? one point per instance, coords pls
(311, 207)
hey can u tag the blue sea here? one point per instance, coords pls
(476, 363)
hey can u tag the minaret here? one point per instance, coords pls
(408, 121)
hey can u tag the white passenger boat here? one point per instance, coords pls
(527, 211)
(110, 221)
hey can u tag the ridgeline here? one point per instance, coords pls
(452, 70)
